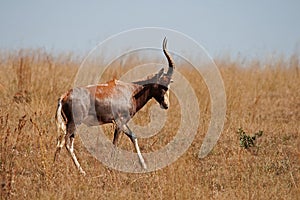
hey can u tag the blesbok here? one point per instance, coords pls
(113, 102)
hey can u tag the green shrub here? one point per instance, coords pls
(247, 141)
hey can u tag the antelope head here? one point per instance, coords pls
(163, 80)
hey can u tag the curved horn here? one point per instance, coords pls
(170, 60)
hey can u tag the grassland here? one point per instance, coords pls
(259, 97)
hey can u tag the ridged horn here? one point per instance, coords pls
(170, 60)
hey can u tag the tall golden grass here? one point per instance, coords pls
(259, 97)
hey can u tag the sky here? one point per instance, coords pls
(247, 28)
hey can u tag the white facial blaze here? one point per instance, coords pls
(166, 98)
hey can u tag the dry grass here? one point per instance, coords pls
(258, 98)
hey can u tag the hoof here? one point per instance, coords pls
(82, 173)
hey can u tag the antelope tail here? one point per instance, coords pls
(60, 117)
(61, 123)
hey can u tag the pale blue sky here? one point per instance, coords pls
(251, 28)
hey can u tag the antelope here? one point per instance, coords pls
(113, 102)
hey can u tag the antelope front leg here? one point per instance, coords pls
(116, 135)
(133, 139)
